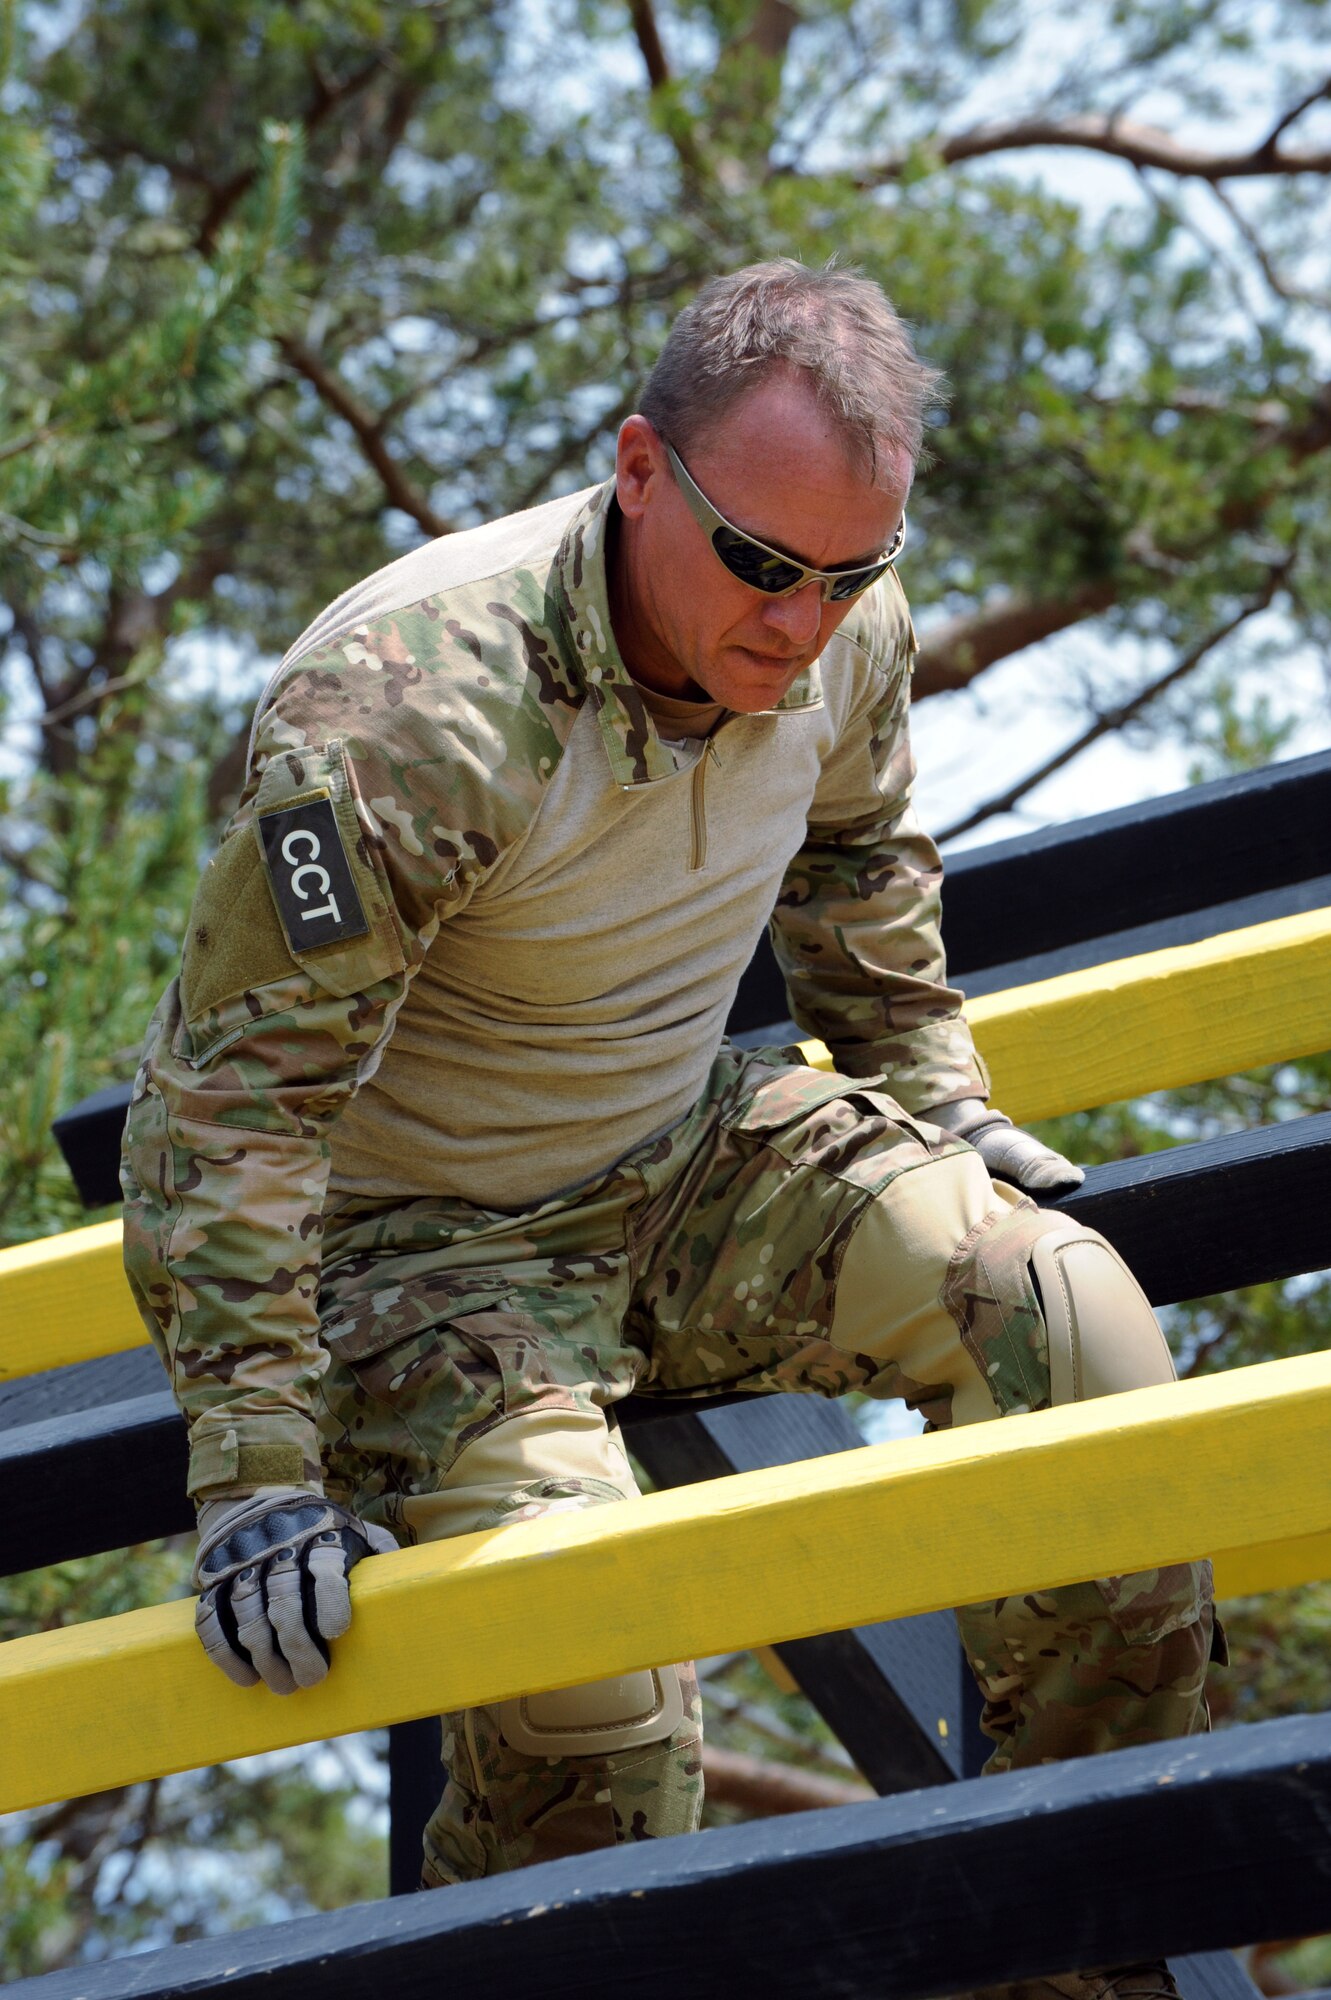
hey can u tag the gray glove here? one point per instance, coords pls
(273, 1571)
(1009, 1153)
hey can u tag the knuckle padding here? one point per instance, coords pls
(280, 1527)
(275, 1590)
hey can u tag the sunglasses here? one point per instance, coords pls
(771, 570)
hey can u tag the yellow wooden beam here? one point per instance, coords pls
(1114, 1485)
(64, 1298)
(1159, 1021)
(1155, 1022)
(1148, 1023)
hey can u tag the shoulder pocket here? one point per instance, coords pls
(333, 904)
(241, 938)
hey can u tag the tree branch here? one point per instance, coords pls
(1262, 258)
(643, 16)
(1139, 145)
(88, 697)
(955, 653)
(764, 1789)
(26, 629)
(326, 98)
(770, 30)
(1114, 718)
(1296, 111)
(333, 391)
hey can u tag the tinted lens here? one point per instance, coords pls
(752, 564)
(857, 580)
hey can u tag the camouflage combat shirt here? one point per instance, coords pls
(475, 928)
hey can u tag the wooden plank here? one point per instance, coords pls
(761, 1014)
(1051, 1498)
(89, 1133)
(1240, 1210)
(1239, 836)
(1217, 920)
(1214, 1975)
(89, 1136)
(86, 1385)
(64, 1298)
(92, 1480)
(1148, 1022)
(898, 1694)
(45, 1468)
(1209, 1842)
(1157, 1022)
(1216, 848)
(1245, 1209)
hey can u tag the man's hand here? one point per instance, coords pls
(1009, 1153)
(273, 1571)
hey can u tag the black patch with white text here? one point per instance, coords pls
(310, 875)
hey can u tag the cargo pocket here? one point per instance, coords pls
(1150, 1604)
(848, 1127)
(405, 1382)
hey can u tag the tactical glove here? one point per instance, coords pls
(273, 1571)
(1009, 1153)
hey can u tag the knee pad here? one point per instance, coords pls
(1103, 1336)
(621, 1713)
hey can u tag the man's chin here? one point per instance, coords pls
(747, 681)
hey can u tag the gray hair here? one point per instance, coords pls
(834, 325)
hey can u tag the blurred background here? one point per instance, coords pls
(287, 288)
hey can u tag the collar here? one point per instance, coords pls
(638, 755)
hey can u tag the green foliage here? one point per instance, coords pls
(71, 1593)
(186, 1856)
(284, 288)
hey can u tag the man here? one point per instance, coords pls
(438, 1150)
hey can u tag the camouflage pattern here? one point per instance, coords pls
(384, 1347)
(434, 729)
(502, 1809)
(708, 1262)
(990, 1294)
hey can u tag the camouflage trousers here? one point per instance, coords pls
(795, 1231)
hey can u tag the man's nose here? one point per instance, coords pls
(798, 616)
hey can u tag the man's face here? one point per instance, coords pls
(777, 470)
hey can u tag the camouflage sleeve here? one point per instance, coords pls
(351, 843)
(856, 925)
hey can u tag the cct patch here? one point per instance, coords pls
(310, 875)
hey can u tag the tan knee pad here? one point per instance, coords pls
(601, 1716)
(543, 1448)
(1103, 1336)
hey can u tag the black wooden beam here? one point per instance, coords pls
(1245, 1209)
(93, 1480)
(1106, 948)
(897, 1694)
(1194, 864)
(1212, 844)
(1175, 1848)
(1173, 870)
(88, 1135)
(1241, 1210)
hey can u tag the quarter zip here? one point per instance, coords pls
(698, 858)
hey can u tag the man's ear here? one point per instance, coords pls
(640, 461)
